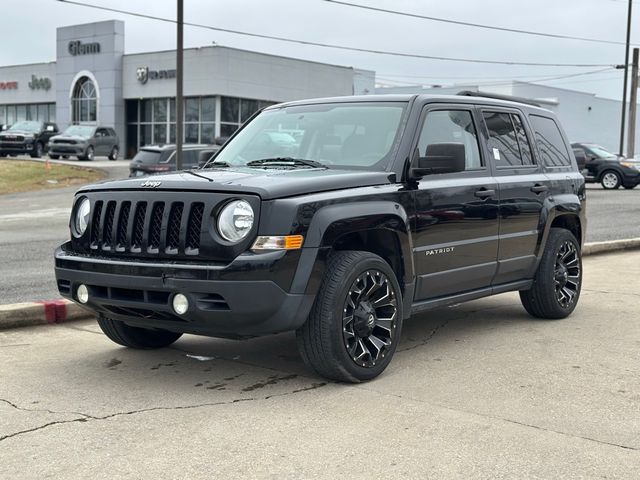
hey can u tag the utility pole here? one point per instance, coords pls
(633, 105)
(179, 93)
(626, 71)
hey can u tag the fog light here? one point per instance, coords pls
(180, 304)
(82, 293)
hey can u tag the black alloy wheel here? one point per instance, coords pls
(567, 274)
(355, 324)
(369, 320)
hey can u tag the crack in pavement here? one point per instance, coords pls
(611, 293)
(428, 338)
(503, 419)
(89, 418)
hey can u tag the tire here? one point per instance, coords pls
(114, 153)
(54, 157)
(65, 157)
(557, 283)
(38, 150)
(88, 155)
(135, 337)
(610, 180)
(329, 343)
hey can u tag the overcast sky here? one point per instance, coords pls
(28, 34)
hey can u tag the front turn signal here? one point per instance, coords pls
(283, 242)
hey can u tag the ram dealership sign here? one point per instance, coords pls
(76, 47)
(144, 74)
(8, 85)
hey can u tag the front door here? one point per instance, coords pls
(455, 226)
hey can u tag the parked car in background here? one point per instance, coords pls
(610, 170)
(85, 142)
(162, 158)
(27, 137)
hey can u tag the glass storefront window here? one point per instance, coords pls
(172, 110)
(160, 133)
(145, 135)
(208, 109)
(145, 110)
(22, 112)
(192, 110)
(208, 133)
(43, 113)
(227, 130)
(160, 110)
(248, 108)
(191, 133)
(3, 115)
(230, 109)
(11, 114)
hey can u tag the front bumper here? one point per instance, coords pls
(10, 147)
(140, 294)
(65, 149)
(631, 177)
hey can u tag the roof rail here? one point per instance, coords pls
(497, 96)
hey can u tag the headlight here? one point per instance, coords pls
(235, 221)
(81, 219)
(634, 165)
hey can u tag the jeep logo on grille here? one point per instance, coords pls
(150, 184)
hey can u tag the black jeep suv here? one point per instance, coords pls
(377, 208)
(27, 137)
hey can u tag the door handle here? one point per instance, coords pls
(537, 188)
(485, 193)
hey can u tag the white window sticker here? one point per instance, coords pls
(496, 154)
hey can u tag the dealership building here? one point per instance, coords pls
(92, 81)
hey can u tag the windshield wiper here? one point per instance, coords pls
(286, 162)
(214, 165)
(198, 175)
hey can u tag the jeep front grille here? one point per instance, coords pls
(148, 227)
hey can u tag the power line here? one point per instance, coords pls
(335, 46)
(471, 24)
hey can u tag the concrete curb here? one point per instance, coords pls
(52, 312)
(20, 315)
(610, 246)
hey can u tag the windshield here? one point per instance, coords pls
(147, 157)
(27, 126)
(79, 130)
(337, 135)
(600, 152)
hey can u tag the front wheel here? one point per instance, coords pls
(38, 150)
(558, 280)
(136, 337)
(355, 324)
(88, 155)
(610, 180)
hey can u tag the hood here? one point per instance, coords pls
(77, 138)
(267, 183)
(17, 132)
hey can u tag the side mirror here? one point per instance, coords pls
(440, 158)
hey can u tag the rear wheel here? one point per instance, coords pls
(610, 180)
(355, 324)
(558, 280)
(114, 153)
(136, 337)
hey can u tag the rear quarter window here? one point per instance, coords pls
(553, 150)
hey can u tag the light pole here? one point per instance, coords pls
(626, 71)
(179, 93)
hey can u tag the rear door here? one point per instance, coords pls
(455, 229)
(102, 141)
(523, 189)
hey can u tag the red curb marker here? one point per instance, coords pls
(55, 311)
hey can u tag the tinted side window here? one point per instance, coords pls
(551, 145)
(523, 141)
(451, 126)
(101, 132)
(503, 142)
(190, 158)
(112, 132)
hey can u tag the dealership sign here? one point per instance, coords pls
(144, 74)
(42, 83)
(76, 47)
(8, 85)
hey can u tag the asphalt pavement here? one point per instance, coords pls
(479, 390)
(33, 224)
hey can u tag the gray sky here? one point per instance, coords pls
(28, 32)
